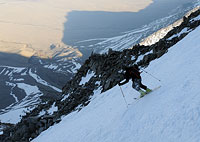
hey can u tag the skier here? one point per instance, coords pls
(133, 72)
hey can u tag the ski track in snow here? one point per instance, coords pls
(170, 114)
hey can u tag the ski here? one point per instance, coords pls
(154, 89)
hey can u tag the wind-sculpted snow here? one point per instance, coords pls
(171, 113)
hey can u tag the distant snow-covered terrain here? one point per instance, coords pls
(168, 114)
(23, 85)
(156, 30)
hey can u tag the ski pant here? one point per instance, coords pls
(137, 84)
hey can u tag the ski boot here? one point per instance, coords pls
(148, 90)
(142, 93)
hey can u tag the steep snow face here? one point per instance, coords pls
(171, 113)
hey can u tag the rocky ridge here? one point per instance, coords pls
(107, 70)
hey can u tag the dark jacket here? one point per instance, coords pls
(131, 73)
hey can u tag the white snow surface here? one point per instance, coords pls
(52, 109)
(185, 30)
(14, 69)
(170, 114)
(1, 132)
(42, 113)
(11, 93)
(86, 78)
(51, 66)
(29, 89)
(65, 97)
(77, 66)
(13, 116)
(41, 81)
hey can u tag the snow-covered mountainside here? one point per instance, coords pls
(171, 113)
(94, 89)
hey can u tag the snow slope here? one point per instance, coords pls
(170, 114)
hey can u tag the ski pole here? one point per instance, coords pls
(151, 75)
(124, 97)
